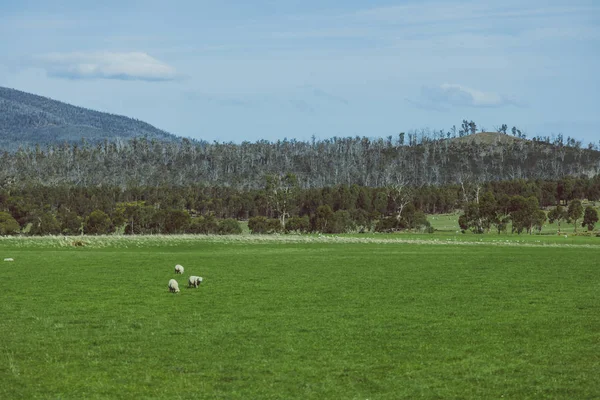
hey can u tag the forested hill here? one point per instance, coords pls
(27, 119)
(357, 160)
(40, 144)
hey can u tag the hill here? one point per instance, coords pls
(156, 157)
(488, 138)
(27, 119)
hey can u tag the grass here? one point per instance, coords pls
(298, 317)
(449, 223)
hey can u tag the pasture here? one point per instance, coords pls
(449, 223)
(299, 317)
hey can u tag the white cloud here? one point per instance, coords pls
(105, 65)
(454, 95)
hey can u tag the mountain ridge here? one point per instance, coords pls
(28, 119)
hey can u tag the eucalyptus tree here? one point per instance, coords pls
(590, 217)
(282, 193)
(574, 212)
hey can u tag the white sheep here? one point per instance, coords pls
(9, 259)
(194, 281)
(173, 286)
(178, 269)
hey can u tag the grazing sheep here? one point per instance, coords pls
(173, 286)
(178, 269)
(8, 259)
(194, 281)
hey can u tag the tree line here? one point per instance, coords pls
(282, 205)
(524, 215)
(425, 159)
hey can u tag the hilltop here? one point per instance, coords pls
(27, 119)
(488, 138)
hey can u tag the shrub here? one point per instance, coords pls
(70, 222)
(97, 223)
(298, 224)
(342, 222)
(204, 225)
(323, 219)
(273, 225)
(387, 225)
(45, 224)
(363, 221)
(8, 225)
(229, 226)
(259, 225)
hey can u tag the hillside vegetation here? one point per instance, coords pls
(359, 160)
(42, 140)
(27, 119)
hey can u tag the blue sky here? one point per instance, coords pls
(238, 70)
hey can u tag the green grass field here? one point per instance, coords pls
(299, 317)
(449, 223)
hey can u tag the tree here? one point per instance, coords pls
(557, 214)
(342, 222)
(131, 213)
(471, 218)
(8, 225)
(590, 217)
(539, 217)
(45, 223)
(472, 127)
(324, 219)
(574, 212)
(464, 128)
(176, 221)
(488, 210)
(503, 128)
(70, 222)
(380, 203)
(524, 213)
(97, 223)
(282, 192)
(400, 195)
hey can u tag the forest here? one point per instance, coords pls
(281, 205)
(416, 159)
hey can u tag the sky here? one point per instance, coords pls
(246, 71)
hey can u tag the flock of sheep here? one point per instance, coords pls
(193, 280)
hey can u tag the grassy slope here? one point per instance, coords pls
(487, 138)
(300, 320)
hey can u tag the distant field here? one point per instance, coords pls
(307, 317)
